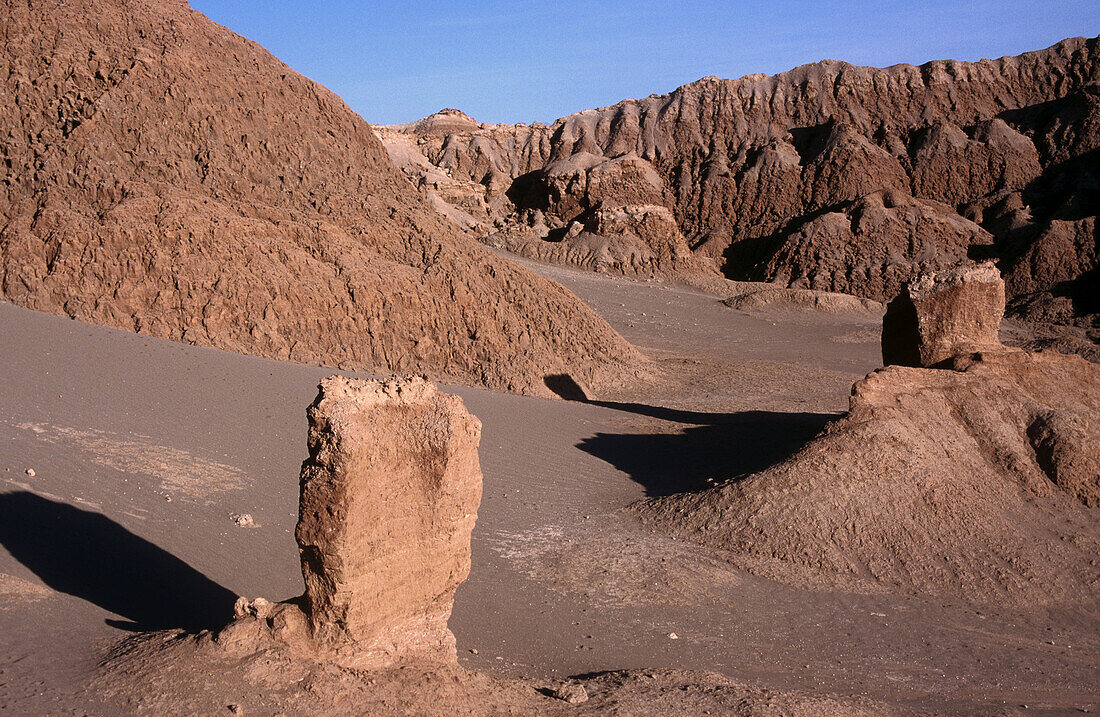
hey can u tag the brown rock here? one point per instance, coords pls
(389, 496)
(873, 246)
(944, 314)
(1067, 446)
(571, 692)
(146, 187)
(971, 482)
(768, 176)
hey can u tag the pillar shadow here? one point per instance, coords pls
(90, 556)
(711, 446)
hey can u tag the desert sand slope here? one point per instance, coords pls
(164, 175)
(829, 176)
(979, 483)
(144, 451)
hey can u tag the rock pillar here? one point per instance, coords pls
(389, 497)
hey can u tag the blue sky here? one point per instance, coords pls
(523, 61)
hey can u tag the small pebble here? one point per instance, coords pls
(30, 472)
(673, 636)
(243, 520)
(572, 693)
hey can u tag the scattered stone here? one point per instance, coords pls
(570, 692)
(259, 607)
(243, 520)
(473, 651)
(944, 314)
(30, 472)
(673, 636)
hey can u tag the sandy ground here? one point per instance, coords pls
(144, 451)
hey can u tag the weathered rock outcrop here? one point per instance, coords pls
(772, 176)
(978, 482)
(163, 175)
(979, 478)
(389, 497)
(944, 314)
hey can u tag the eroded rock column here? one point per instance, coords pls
(944, 314)
(389, 497)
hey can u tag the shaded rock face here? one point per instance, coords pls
(976, 482)
(944, 314)
(389, 497)
(164, 175)
(770, 176)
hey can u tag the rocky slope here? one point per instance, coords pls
(830, 176)
(978, 478)
(164, 175)
(974, 483)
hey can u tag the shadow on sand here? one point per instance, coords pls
(711, 446)
(90, 556)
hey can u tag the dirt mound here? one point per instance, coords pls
(783, 298)
(167, 674)
(769, 176)
(167, 176)
(979, 482)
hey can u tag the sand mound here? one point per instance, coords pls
(980, 482)
(167, 176)
(783, 298)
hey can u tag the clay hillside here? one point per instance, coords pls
(164, 175)
(830, 177)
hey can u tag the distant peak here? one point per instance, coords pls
(451, 112)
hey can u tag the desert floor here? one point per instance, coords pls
(143, 450)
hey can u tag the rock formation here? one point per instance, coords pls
(979, 482)
(389, 497)
(829, 177)
(164, 175)
(944, 314)
(979, 479)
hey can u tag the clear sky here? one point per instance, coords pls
(520, 61)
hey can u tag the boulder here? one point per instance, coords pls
(944, 314)
(389, 497)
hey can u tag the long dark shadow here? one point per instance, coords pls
(714, 446)
(90, 556)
